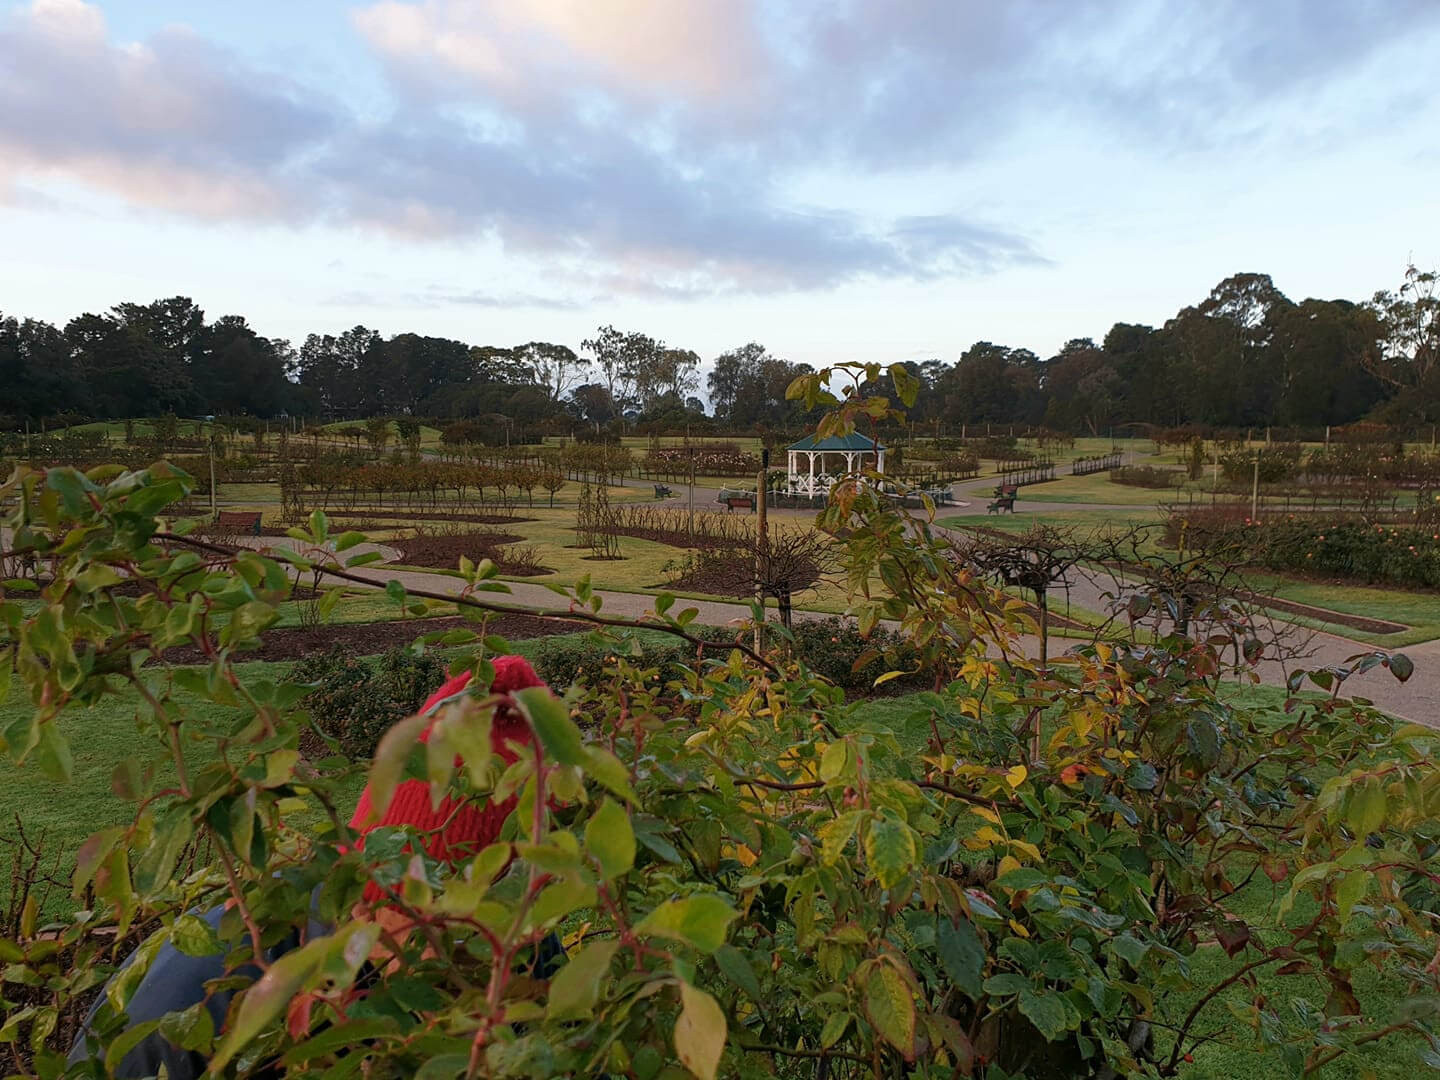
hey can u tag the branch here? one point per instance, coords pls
(764, 1048)
(464, 599)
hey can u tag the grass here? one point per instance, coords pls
(1099, 488)
(1420, 611)
(429, 436)
(1059, 517)
(62, 816)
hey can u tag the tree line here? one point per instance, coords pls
(1245, 355)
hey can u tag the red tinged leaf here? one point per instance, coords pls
(297, 1016)
(1233, 937)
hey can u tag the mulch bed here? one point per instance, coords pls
(735, 578)
(444, 552)
(676, 538)
(364, 639)
(406, 516)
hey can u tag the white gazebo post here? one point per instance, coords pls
(811, 489)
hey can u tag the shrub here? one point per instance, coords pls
(1146, 476)
(355, 701)
(832, 647)
(1278, 462)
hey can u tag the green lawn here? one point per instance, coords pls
(1059, 517)
(1418, 610)
(1099, 488)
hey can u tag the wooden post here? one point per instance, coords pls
(762, 545)
(1255, 491)
(690, 494)
(211, 445)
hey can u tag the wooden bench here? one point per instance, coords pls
(1007, 491)
(662, 492)
(1001, 504)
(239, 521)
(739, 503)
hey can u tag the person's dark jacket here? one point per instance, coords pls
(174, 982)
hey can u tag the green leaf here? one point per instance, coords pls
(835, 1027)
(1046, 1011)
(388, 765)
(700, 1032)
(576, 986)
(126, 1041)
(337, 957)
(891, 1008)
(609, 772)
(443, 1067)
(733, 965)
(551, 720)
(890, 851)
(1401, 666)
(53, 753)
(191, 1029)
(610, 839)
(1027, 877)
(1006, 983)
(834, 759)
(193, 936)
(248, 620)
(1367, 807)
(962, 955)
(700, 920)
(835, 834)
(1351, 890)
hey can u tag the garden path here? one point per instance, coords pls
(1418, 699)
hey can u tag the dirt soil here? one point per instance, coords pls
(407, 516)
(364, 639)
(444, 552)
(727, 577)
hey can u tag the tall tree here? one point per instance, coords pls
(1407, 358)
(555, 367)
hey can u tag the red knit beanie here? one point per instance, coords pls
(456, 829)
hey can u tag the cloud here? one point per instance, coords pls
(174, 123)
(436, 296)
(642, 146)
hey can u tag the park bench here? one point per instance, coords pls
(239, 521)
(662, 492)
(739, 502)
(1007, 491)
(1001, 504)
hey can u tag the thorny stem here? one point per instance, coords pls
(256, 939)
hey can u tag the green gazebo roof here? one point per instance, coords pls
(853, 441)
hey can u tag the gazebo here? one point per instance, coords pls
(811, 461)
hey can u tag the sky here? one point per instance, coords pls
(836, 179)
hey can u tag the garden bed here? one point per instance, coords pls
(733, 577)
(445, 552)
(363, 639)
(406, 516)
